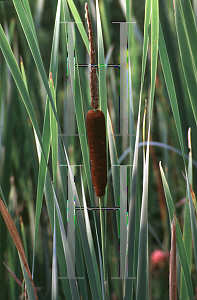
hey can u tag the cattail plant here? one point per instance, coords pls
(97, 141)
(96, 125)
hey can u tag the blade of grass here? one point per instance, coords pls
(30, 18)
(187, 234)
(132, 213)
(66, 14)
(30, 289)
(82, 131)
(193, 221)
(67, 253)
(172, 264)
(187, 239)
(146, 39)
(79, 23)
(79, 250)
(142, 273)
(132, 221)
(89, 236)
(23, 236)
(50, 200)
(170, 87)
(54, 133)
(154, 48)
(101, 63)
(114, 170)
(54, 293)
(187, 39)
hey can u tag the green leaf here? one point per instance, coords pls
(187, 233)
(187, 39)
(79, 23)
(170, 87)
(29, 287)
(54, 289)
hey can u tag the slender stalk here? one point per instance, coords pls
(103, 240)
(93, 77)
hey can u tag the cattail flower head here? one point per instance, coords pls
(97, 144)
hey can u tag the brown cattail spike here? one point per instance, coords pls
(97, 144)
(93, 78)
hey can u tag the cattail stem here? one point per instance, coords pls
(103, 240)
(93, 78)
